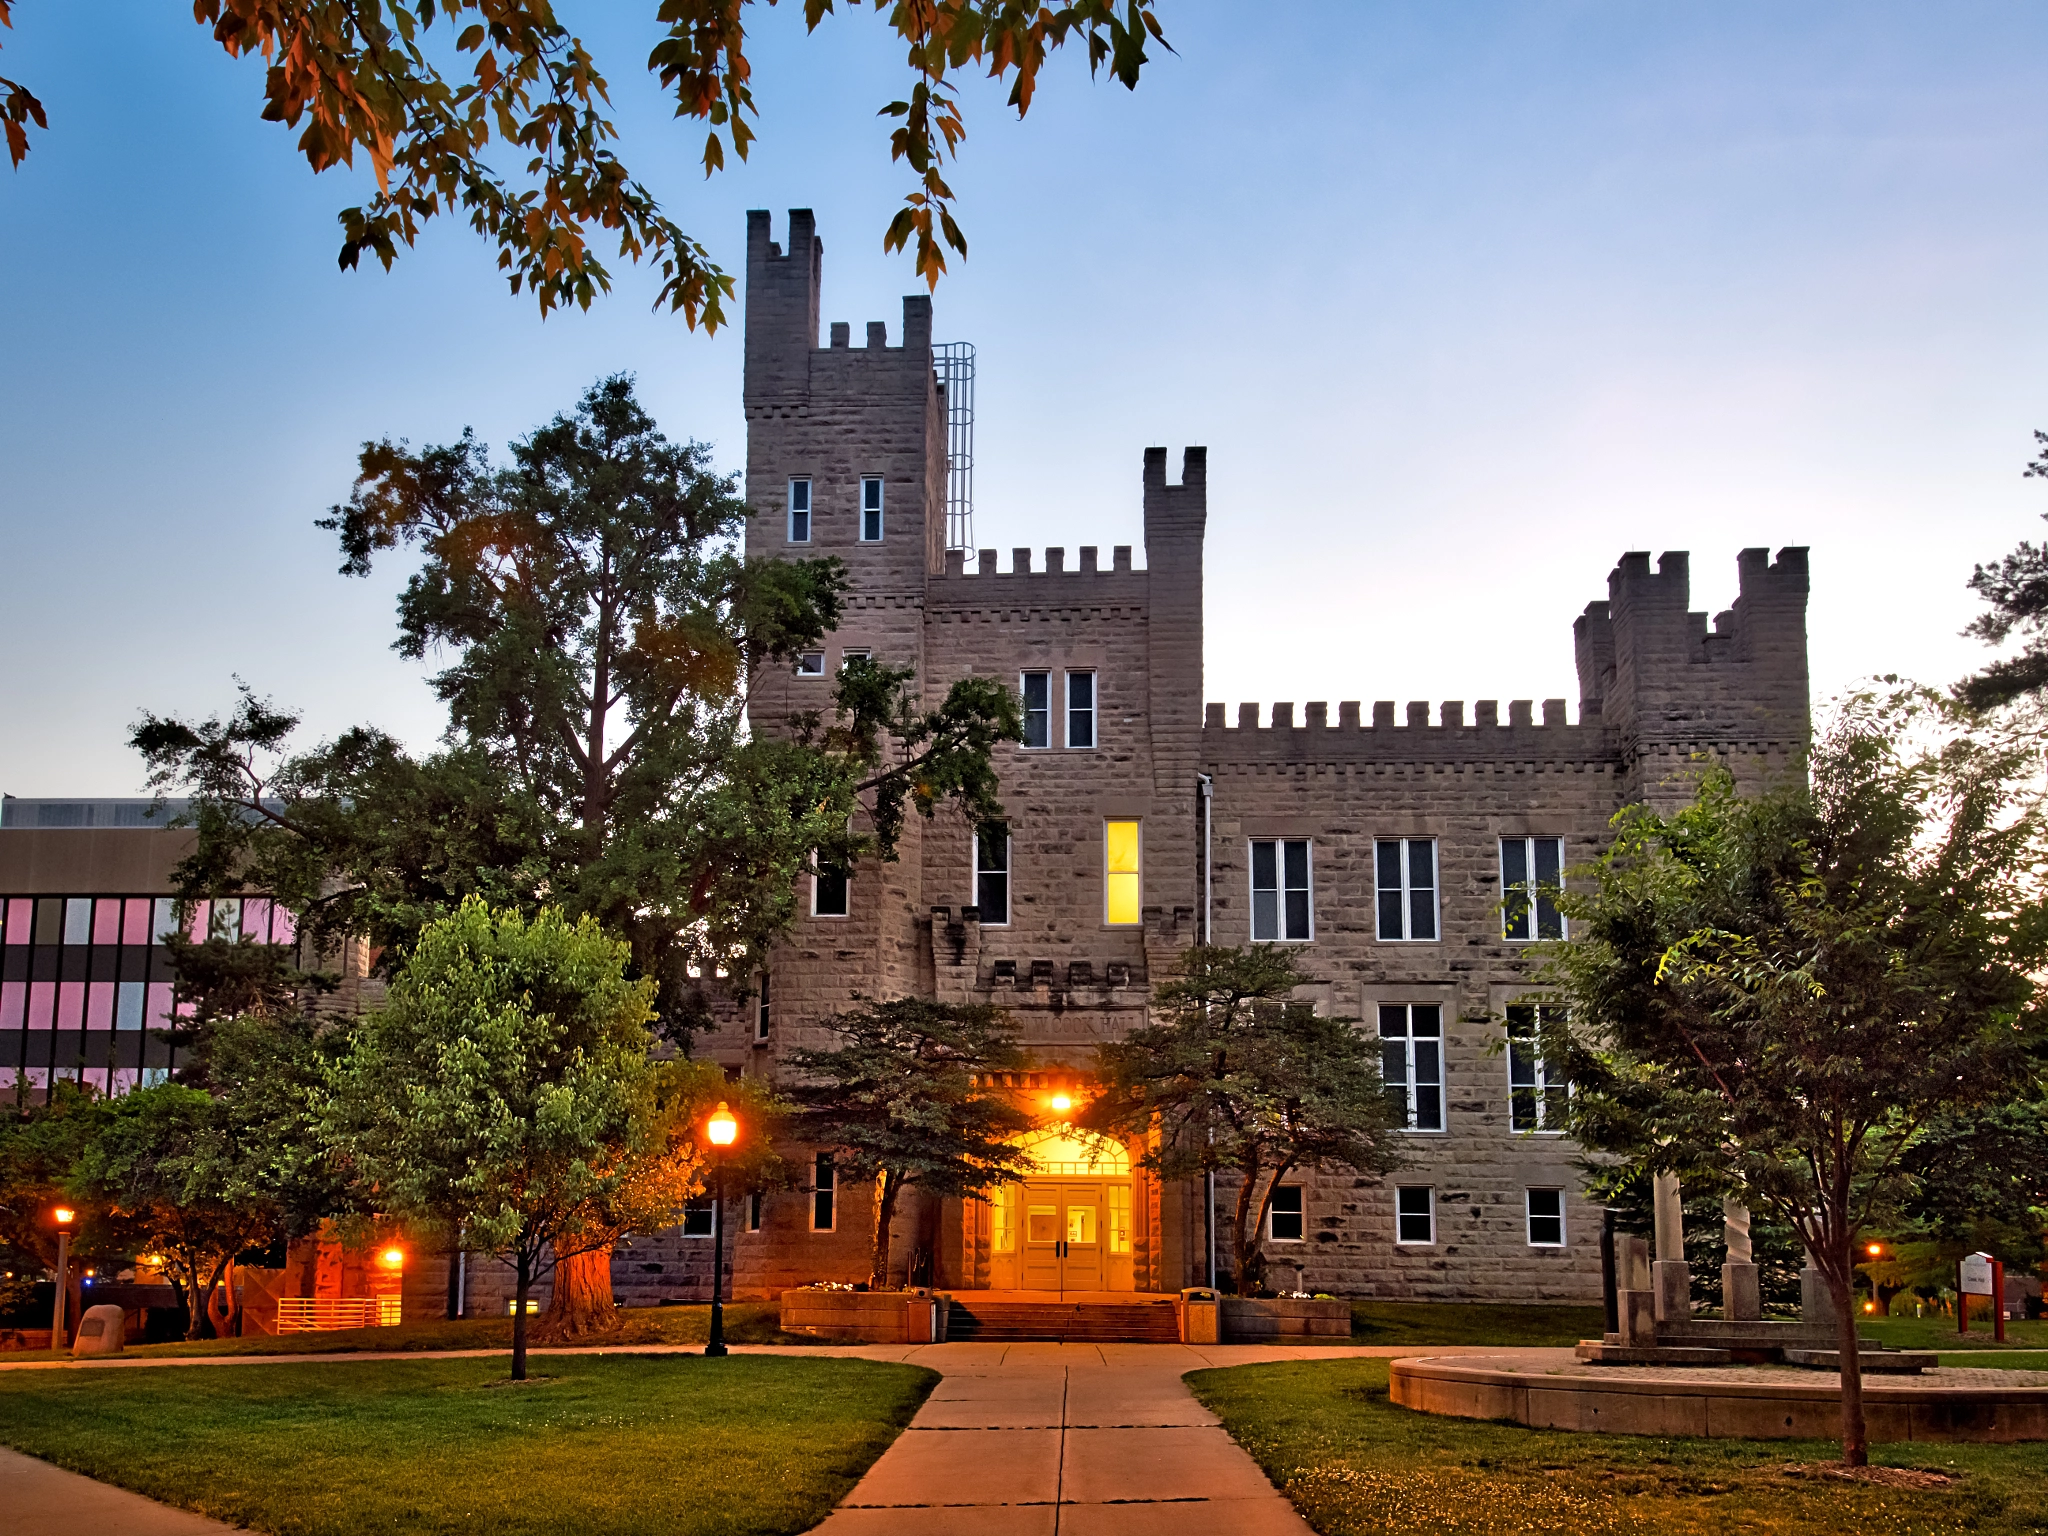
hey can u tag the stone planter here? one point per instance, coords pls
(1263, 1319)
(864, 1317)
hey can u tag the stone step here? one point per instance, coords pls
(1873, 1362)
(1149, 1323)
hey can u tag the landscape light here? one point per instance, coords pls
(1061, 1103)
(721, 1128)
(1876, 1249)
(65, 1216)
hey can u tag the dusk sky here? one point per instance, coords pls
(1464, 299)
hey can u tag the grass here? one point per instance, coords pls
(1353, 1463)
(606, 1446)
(746, 1322)
(1443, 1322)
(2003, 1360)
(1940, 1333)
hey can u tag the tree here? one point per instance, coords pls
(366, 75)
(503, 1091)
(1235, 1075)
(899, 1102)
(1787, 990)
(2017, 590)
(40, 1147)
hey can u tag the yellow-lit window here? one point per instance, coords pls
(1121, 879)
(1002, 1209)
(1119, 1218)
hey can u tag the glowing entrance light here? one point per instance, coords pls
(1061, 1103)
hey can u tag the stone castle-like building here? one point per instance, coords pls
(1389, 845)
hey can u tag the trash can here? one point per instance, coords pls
(1200, 1316)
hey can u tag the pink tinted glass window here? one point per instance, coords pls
(156, 1013)
(256, 920)
(135, 920)
(13, 1004)
(99, 1005)
(106, 921)
(126, 1080)
(70, 1005)
(200, 914)
(21, 916)
(284, 928)
(42, 1004)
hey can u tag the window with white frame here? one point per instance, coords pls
(1002, 1218)
(992, 875)
(1405, 877)
(761, 1010)
(829, 892)
(1284, 1218)
(1412, 1063)
(852, 653)
(824, 1193)
(810, 664)
(1080, 709)
(1546, 1218)
(1531, 875)
(697, 1218)
(800, 510)
(1281, 909)
(1415, 1215)
(1123, 872)
(1037, 691)
(871, 509)
(1536, 1094)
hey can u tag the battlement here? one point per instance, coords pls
(986, 562)
(1413, 737)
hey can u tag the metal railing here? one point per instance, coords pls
(321, 1314)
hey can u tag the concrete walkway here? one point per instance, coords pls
(37, 1499)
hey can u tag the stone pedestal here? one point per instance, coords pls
(1741, 1294)
(1671, 1282)
(1637, 1312)
(1815, 1304)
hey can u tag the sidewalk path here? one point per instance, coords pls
(41, 1500)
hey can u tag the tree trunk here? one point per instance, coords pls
(582, 1300)
(1240, 1240)
(525, 1282)
(1855, 1434)
(886, 1190)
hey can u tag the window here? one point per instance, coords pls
(1531, 874)
(992, 875)
(1414, 1214)
(1119, 1218)
(851, 653)
(828, 892)
(871, 509)
(1122, 874)
(1002, 1211)
(824, 1187)
(1412, 1063)
(1280, 904)
(1535, 1096)
(1546, 1218)
(1037, 709)
(1284, 1223)
(761, 1012)
(697, 1218)
(1080, 709)
(811, 664)
(755, 1200)
(800, 511)
(1406, 878)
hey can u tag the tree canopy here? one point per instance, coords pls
(903, 1100)
(1787, 992)
(2016, 588)
(424, 89)
(1234, 1074)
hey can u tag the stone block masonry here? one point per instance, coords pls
(1494, 1211)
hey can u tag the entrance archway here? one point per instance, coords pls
(1069, 1225)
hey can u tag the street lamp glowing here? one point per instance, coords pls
(1061, 1103)
(1876, 1249)
(721, 1128)
(65, 1216)
(393, 1257)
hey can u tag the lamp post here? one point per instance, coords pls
(65, 1216)
(721, 1130)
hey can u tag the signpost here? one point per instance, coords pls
(1981, 1275)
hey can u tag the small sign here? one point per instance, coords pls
(1977, 1275)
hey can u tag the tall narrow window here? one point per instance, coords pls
(1414, 1214)
(824, 1191)
(1002, 1219)
(800, 511)
(871, 509)
(1080, 709)
(1406, 880)
(1119, 1218)
(1536, 1096)
(1122, 872)
(1037, 692)
(1531, 874)
(1285, 1220)
(755, 1201)
(828, 892)
(992, 875)
(1412, 1063)
(1281, 910)
(1546, 1218)
(761, 1010)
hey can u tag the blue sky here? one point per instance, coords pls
(1465, 300)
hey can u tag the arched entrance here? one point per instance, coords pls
(1070, 1225)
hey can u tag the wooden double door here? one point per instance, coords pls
(1074, 1235)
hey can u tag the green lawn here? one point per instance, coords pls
(1940, 1333)
(1355, 1464)
(1448, 1322)
(746, 1322)
(610, 1446)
